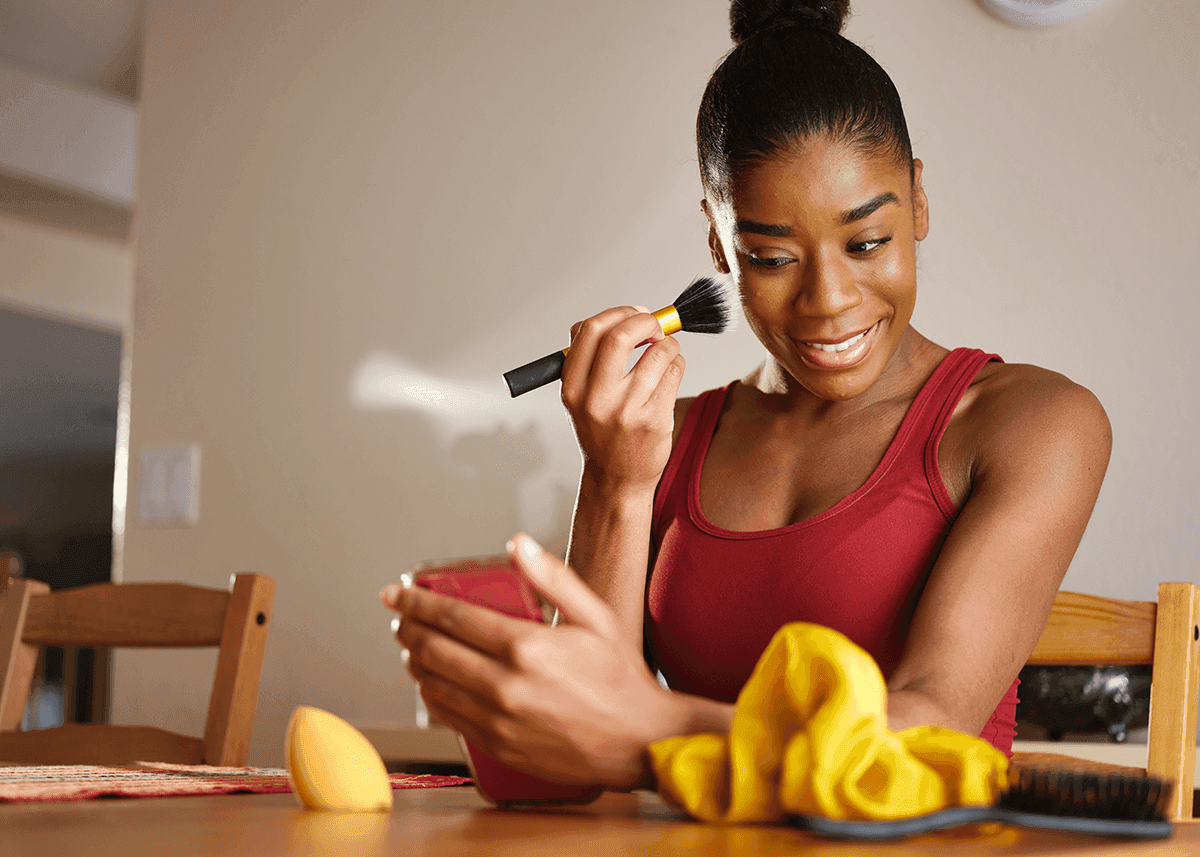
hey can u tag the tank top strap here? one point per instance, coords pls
(697, 430)
(935, 405)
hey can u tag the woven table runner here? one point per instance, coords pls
(157, 779)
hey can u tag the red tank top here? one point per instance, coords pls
(716, 597)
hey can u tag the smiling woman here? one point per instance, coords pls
(823, 244)
(923, 501)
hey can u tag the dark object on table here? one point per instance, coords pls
(1112, 806)
(1063, 699)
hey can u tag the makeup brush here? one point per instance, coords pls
(700, 308)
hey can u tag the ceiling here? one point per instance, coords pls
(93, 43)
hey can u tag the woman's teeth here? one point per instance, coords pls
(840, 346)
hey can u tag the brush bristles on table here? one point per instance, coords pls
(703, 307)
(1082, 795)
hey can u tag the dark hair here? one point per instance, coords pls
(792, 76)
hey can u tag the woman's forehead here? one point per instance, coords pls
(819, 173)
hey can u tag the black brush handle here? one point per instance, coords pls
(535, 374)
(955, 816)
(884, 831)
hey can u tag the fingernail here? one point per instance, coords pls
(529, 551)
(390, 593)
(642, 308)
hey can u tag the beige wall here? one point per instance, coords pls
(64, 273)
(354, 215)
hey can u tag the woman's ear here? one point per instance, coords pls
(920, 203)
(714, 240)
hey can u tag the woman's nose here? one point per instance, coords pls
(827, 288)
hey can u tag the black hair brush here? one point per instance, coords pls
(701, 308)
(1128, 807)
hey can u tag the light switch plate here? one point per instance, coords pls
(170, 486)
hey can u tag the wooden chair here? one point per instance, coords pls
(143, 615)
(1089, 630)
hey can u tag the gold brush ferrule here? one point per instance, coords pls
(668, 319)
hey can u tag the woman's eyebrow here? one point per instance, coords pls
(857, 213)
(769, 229)
(868, 208)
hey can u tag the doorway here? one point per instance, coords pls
(59, 384)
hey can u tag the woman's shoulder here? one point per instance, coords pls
(1001, 388)
(1019, 408)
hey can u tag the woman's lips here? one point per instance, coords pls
(838, 355)
(840, 346)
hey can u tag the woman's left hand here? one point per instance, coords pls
(574, 703)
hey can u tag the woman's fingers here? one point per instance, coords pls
(667, 392)
(616, 346)
(458, 709)
(507, 736)
(601, 346)
(430, 650)
(468, 635)
(562, 587)
(585, 341)
(570, 704)
(659, 369)
(478, 627)
(479, 721)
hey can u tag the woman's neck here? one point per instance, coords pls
(779, 393)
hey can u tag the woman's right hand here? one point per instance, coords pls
(573, 703)
(622, 421)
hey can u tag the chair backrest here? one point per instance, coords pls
(137, 615)
(1089, 630)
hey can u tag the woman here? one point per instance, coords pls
(925, 502)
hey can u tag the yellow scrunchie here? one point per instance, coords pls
(809, 735)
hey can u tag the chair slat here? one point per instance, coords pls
(128, 615)
(234, 695)
(1064, 762)
(1087, 629)
(1173, 691)
(99, 744)
(18, 659)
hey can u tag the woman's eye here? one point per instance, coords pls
(865, 247)
(768, 261)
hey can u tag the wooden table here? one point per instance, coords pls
(455, 821)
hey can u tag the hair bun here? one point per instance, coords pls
(748, 18)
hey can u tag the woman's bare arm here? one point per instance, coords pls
(624, 425)
(1040, 449)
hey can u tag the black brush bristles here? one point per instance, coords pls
(703, 306)
(1082, 795)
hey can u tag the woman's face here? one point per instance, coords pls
(821, 241)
